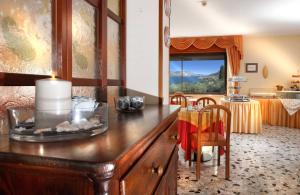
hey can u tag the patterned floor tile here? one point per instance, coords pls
(267, 163)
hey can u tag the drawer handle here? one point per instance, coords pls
(173, 137)
(157, 170)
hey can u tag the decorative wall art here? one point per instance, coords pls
(251, 67)
(84, 50)
(26, 36)
(167, 38)
(167, 5)
(265, 72)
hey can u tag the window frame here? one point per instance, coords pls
(121, 20)
(62, 47)
(182, 55)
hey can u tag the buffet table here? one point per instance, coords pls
(245, 116)
(273, 113)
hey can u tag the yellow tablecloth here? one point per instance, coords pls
(188, 124)
(192, 117)
(245, 116)
(273, 113)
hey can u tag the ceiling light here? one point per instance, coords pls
(203, 2)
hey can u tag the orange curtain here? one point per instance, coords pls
(204, 43)
(183, 43)
(232, 44)
(234, 60)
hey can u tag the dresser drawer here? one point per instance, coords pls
(172, 132)
(152, 165)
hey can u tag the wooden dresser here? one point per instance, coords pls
(137, 155)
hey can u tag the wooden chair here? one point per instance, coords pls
(213, 137)
(179, 99)
(206, 101)
(178, 93)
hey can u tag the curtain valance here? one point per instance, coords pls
(224, 42)
(232, 44)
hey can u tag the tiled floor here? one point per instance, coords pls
(268, 163)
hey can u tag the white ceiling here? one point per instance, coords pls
(232, 17)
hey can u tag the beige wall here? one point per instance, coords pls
(280, 53)
(166, 60)
(142, 52)
(142, 46)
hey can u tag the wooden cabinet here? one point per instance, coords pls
(20, 179)
(137, 155)
(151, 167)
(168, 184)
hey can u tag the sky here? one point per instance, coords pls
(204, 67)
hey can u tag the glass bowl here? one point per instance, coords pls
(27, 124)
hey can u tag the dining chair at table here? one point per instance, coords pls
(179, 100)
(212, 136)
(206, 101)
(178, 93)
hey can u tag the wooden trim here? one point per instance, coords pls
(15, 79)
(114, 16)
(98, 42)
(94, 3)
(114, 82)
(160, 58)
(86, 82)
(123, 42)
(64, 41)
(103, 40)
(68, 46)
(56, 36)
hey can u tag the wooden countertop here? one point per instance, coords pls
(127, 133)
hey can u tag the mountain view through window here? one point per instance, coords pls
(198, 74)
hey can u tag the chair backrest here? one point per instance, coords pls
(222, 120)
(206, 101)
(179, 100)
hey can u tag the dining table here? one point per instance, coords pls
(274, 113)
(245, 116)
(187, 124)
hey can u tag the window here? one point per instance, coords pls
(85, 43)
(198, 74)
(116, 72)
